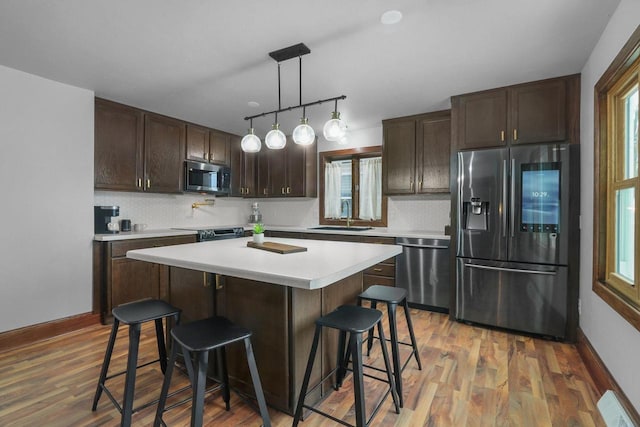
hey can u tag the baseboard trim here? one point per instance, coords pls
(600, 374)
(30, 334)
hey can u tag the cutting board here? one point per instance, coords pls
(280, 248)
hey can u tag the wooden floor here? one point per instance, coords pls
(471, 377)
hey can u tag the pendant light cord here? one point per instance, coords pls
(300, 80)
(279, 105)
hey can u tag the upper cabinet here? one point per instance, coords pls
(415, 157)
(242, 170)
(208, 145)
(163, 154)
(542, 111)
(118, 152)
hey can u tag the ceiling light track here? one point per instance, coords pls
(303, 134)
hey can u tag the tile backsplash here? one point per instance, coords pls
(166, 211)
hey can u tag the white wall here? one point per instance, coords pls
(615, 340)
(46, 173)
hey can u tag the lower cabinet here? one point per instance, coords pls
(193, 292)
(118, 279)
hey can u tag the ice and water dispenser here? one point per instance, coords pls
(475, 213)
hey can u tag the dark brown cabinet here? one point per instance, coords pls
(290, 172)
(163, 154)
(192, 291)
(208, 145)
(118, 152)
(542, 111)
(137, 151)
(118, 279)
(243, 169)
(415, 156)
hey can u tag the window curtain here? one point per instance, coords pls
(332, 175)
(371, 188)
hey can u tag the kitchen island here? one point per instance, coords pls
(278, 297)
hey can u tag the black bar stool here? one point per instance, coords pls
(134, 314)
(392, 297)
(356, 321)
(195, 340)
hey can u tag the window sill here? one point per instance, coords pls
(622, 305)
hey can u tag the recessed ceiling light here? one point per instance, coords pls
(391, 17)
(253, 104)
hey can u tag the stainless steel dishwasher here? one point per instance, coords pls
(423, 270)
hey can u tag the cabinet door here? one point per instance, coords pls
(236, 160)
(118, 147)
(296, 169)
(278, 171)
(133, 280)
(482, 119)
(197, 143)
(219, 148)
(193, 292)
(163, 154)
(398, 156)
(262, 173)
(538, 112)
(433, 148)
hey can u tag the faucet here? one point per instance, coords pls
(348, 212)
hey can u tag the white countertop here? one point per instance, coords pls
(324, 262)
(376, 232)
(142, 234)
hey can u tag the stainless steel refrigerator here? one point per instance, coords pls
(513, 222)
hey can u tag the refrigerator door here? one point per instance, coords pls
(539, 204)
(524, 297)
(482, 199)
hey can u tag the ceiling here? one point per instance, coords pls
(204, 60)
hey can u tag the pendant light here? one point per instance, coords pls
(303, 134)
(335, 129)
(275, 139)
(250, 142)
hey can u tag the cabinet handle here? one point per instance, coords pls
(502, 135)
(420, 185)
(288, 190)
(377, 270)
(246, 190)
(205, 155)
(219, 284)
(148, 183)
(205, 283)
(515, 134)
(264, 191)
(282, 190)
(411, 185)
(211, 157)
(139, 182)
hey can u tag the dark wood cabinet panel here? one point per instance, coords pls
(277, 181)
(296, 167)
(482, 119)
(118, 146)
(219, 147)
(192, 291)
(263, 187)
(398, 155)
(134, 280)
(242, 170)
(538, 112)
(433, 149)
(535, 112)
(164, 140)
(415, 157)
(197, 143)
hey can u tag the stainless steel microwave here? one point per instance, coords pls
(207, 178)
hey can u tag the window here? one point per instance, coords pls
(617, 184)
(351, 187)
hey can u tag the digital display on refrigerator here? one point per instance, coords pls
(540, 208)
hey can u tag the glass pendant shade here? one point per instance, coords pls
(251, 143)
(304, 134)
(275, 139)
(335, 128)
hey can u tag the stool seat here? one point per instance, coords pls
(207, 334)
(351, 318)
(143, 311)
(385, 294)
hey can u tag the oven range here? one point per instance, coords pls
(205, 234)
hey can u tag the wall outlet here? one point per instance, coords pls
(579, 307)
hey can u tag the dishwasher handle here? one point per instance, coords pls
(410, 245)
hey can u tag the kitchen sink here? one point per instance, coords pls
(339, 228)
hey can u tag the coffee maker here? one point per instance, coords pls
(102, 217)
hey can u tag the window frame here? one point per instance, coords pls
(353, 154)
(608, 177)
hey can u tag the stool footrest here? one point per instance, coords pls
(124, 372)
(406, 362)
